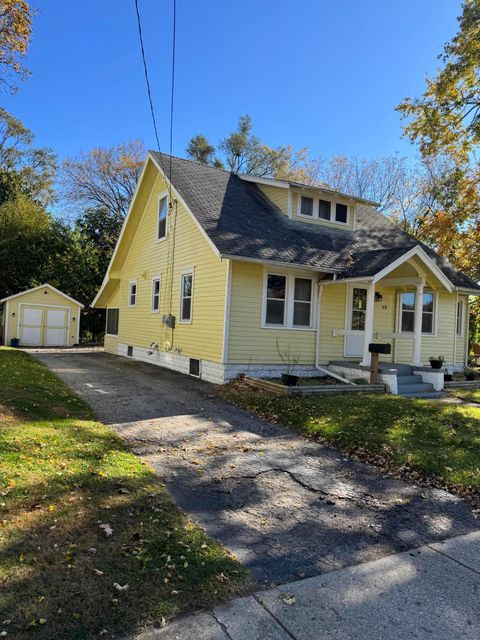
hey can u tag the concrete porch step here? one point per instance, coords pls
(424, 396)
(412, 379)
(400, 369)
(419, 387)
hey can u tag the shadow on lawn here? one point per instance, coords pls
(59, 567)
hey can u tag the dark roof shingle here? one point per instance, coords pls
(242, 222)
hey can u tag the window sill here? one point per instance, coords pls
(161, 239)
(281, 327)
(111, 335)
(317, 219)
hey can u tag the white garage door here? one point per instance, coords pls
(56, 327)
(43, 326)
(31, 326)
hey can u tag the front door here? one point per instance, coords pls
(356, 322)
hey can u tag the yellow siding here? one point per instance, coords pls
(249, 343)
(43, 296)
(277, 195)
(325, 223)
(147, 257)
(332, 316)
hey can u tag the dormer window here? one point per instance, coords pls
(341, 213)
(320, 209)
(324, 209)
(306, 206)
(162, 217)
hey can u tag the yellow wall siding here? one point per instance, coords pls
(249, 343)
(336, 225)
(332, 316)
(461, 344)
(278, 195)
(43, 296)
(147, 257)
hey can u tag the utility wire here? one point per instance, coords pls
(172, 88)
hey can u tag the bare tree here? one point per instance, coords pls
(105, 177)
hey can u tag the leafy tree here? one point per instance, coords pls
(200, 149)
(15, 32)
(104, 177)
(24, 168)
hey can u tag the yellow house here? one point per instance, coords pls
(217, 274)
(41, 317)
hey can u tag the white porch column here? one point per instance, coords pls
(368, 335)
(417, 331)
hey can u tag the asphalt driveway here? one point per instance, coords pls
(288, 508)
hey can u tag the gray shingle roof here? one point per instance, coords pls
(242, 222)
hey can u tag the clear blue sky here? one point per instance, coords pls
(322, 73)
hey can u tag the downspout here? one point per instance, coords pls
(317, 345)
(467, 331)
(455, 315)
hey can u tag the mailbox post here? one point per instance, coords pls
(376, 349)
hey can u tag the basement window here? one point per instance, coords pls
(194, 367)
(130, 352)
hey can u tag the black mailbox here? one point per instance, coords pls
(380, 347)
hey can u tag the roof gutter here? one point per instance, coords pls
(290, 265)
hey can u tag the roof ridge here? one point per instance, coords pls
(195, 162)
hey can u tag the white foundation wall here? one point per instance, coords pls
(212, 371)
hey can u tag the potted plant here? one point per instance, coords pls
(469, 374)
(289, 360)
(448, 377)
(436, 362)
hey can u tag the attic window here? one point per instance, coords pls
(306, 206)
(341, 213)
(162, 218)
(324, 209)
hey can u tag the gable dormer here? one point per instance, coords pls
(312, 205)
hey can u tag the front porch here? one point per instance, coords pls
(399, 379)
(409, 304)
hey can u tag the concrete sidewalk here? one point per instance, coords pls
(432, 592)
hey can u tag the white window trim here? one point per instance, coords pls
(112, 335)
(349, 308)
(186, 272)
(461, 303)
(435, 315)
(130, 293)
(289, 301)
(159, 280)
(162, 194)
(316, 209)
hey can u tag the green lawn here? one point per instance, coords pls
(425, 439)
(469, 395)
(62, 475)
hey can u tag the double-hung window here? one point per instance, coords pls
(341, 213)
(155, 307)
(407, 312)
(132, 293)
(186, 296)
(324, 209)
(288, 301)
(320, 209)
(460, 308)
(162, 218)
(306, 206)
(111, 328)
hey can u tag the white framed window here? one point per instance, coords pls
(287, 301)
(162, 216)
(460, 317)
(186, 296)
(132, 293)
(306, 206)
(341, 213)
(320, 209)
(155, 303)
(407, 312)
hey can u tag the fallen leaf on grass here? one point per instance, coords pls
(107, 529)
(119, 587)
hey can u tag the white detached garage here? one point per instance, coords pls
(41, 317)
